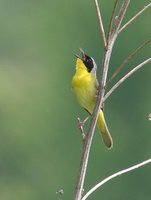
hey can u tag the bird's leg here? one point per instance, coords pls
(81, 126)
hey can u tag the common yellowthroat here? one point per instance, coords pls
(85, 86)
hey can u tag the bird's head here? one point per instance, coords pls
(88, 62)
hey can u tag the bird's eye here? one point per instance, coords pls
(88, 59)
(88, 63)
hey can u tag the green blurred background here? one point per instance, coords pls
(40, 144)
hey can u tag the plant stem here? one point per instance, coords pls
(134, 18)
(100, 22)
(128, 59)
(114, 176)
(112, 20)
(101, 93)
(125, 77)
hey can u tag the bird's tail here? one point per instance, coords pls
(107, 139)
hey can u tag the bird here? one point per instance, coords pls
(85, 87)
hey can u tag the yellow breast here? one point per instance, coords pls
(84, 87)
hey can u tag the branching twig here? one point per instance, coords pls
(125, 77)
(81, 126)
(100, 22)
(120, 17)
(112, 20)
(128, 59)
(114, 176)
(135, 16)
(89, 136)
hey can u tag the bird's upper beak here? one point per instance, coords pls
(83, 55)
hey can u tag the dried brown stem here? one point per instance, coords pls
(112, 20)
(102, 83)
(125, 77)
(81, 126)
(120, 17)
(100, 22)
(135, 17)
(128, 59)
(124, 171)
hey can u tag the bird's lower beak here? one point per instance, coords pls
(77, 56)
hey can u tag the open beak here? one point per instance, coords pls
(83, 55)
(77, 56)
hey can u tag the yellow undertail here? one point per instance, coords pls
(107, 139)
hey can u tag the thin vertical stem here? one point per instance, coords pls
(112, 19)
(100, 22)
(102, 83)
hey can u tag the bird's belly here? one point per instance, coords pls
(86, 96)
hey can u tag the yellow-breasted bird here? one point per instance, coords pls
(85, 86)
